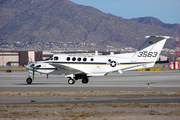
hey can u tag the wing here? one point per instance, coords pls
(63, 69)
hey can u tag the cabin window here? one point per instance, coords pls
(68, 58)
(84, 59)
(56, 58)
(38, 66)
(79, 59)
(109, 60)
(73, 59)
(92, 59)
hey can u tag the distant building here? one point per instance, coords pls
(16, 58)
(9, 58)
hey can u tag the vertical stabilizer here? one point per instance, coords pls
(150, 49)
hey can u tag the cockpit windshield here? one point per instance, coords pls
(51, 58)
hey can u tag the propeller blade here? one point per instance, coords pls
(47, 76)
(34, 68)
(33, 73)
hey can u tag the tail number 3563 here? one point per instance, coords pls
(147, 54)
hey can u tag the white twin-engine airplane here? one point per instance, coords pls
(83, 66)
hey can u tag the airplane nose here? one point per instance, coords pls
(30, 66)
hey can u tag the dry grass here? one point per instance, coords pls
(93, 105)
(89, 110)
(69, 114)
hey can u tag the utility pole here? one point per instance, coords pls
(177, 46)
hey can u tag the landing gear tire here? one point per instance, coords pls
(85, 80)
(29, 80)
(71, 81)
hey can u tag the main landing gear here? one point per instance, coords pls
(85, 80)
(71, 80)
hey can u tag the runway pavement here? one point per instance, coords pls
(168, 81)
(128, 81)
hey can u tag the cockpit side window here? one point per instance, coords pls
(32, 65)
(51, 58)
(56, 58)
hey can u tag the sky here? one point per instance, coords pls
(168, 11)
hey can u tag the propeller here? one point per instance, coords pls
(34, 68)
(33, 72)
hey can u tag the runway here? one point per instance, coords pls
(128, 81)
(167, 81)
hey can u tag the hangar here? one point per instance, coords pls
(16, 58)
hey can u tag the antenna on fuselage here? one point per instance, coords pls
(96, 52)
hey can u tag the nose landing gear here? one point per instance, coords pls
(29, 80)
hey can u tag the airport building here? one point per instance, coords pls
(9, 58)
(16, 58)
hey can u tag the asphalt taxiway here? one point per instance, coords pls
(168, 81)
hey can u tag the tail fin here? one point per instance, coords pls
(150, 50)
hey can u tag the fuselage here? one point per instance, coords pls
(92, 65)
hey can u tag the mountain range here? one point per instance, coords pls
(43, 21)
